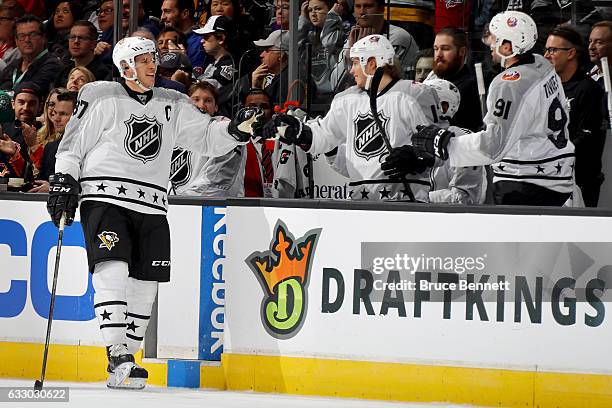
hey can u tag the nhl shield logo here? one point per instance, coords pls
(144, 137)
(180, 167)
(368, 140)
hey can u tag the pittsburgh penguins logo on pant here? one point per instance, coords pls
(368, 140)
(144, 137)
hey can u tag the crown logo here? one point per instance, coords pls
(283, 272)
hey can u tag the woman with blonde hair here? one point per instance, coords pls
(78, 77)
(47, 133)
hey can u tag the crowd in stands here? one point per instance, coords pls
(229, 53)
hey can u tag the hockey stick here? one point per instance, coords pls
(482, 91)
(378, 74)
(38, 384)
(606, 74)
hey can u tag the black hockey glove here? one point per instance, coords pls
(289, 129)
(63, 196)
(246, 123)
(406, 160)
(433, 140)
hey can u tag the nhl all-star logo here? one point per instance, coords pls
(368, 140)
(144, 137)
(180, 167)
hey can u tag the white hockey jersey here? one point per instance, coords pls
(194, 175)
(120, 148)
(350, 121)
(525, 137)
(457, 185)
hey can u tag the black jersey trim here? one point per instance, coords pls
(111, 303)
(129, 200)
(562, 156)
(125, 180)
(142, 317)
(388, 181)
(110, 325)
(527, 176)
(131, 336)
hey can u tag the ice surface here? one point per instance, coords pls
(96, 395)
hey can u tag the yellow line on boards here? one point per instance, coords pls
(339, 378)
(66, 363)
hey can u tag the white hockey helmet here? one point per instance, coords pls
(448, 93)
(516, 27)
(127, 49)
(373, 46)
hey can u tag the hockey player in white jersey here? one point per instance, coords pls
(525, 137)
(118, 145)
(455, 185)
(350, 120)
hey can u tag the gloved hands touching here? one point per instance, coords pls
(433, 140)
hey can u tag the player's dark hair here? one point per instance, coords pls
(92, 31)
(29, 18)
(204, 86)
(459, 36)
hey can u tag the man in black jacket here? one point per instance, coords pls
(450, 50)
(81, 46)
(565, 49)
(36, 65)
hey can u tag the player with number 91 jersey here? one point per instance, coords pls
(525, 135)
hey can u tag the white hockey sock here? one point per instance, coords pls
(140, 298)
(110, 304)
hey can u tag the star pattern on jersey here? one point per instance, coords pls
(132, 326)
(384, 193)
(126, 315)
(405, 192)
(559, 166)
(142, 194)
(501, 167)
(106, 315)
(540, 169)
(364, 194)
